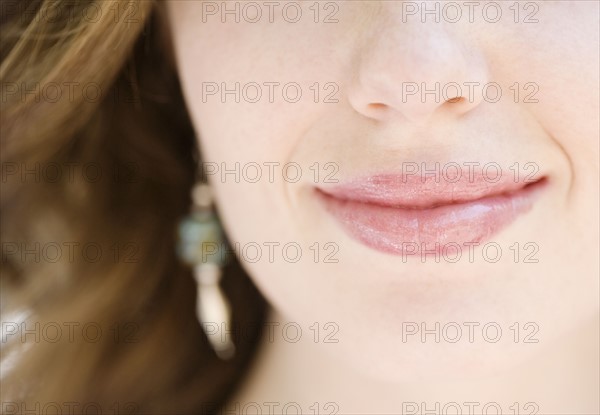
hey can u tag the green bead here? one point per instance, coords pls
(201, 239)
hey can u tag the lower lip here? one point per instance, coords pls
(441, 230)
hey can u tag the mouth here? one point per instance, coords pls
(416, 215)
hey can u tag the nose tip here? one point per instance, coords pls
(415, 75)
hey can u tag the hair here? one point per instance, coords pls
(98, 160)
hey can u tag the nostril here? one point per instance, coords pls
(456, 100)
(377, 106)
(376, 110)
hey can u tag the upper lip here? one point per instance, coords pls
(426, 192)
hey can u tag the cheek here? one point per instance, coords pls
(253, 89)
(569, 110)
(562, 87)
(561, 81)
(252, 97)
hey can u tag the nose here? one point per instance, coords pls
(411, 70)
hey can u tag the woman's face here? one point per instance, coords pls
(410, 172)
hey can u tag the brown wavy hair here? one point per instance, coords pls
(98, 159)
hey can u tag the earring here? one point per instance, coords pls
(202, 246)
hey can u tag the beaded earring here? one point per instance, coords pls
(202, 246)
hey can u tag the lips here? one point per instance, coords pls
(416, 215)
